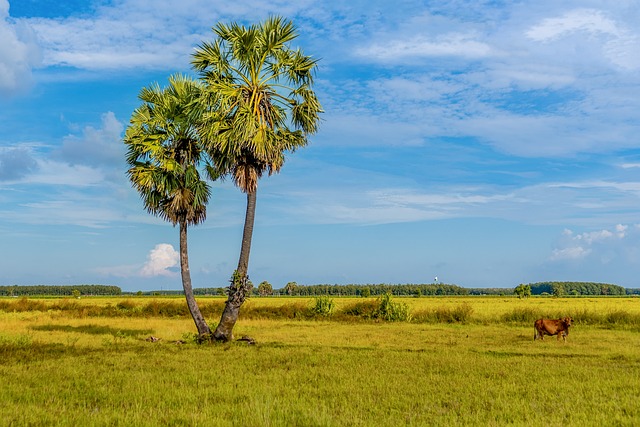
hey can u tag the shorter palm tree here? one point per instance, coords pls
(164, 153)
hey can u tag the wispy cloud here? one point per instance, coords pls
(453, 44)
(619, 44)
(579, 20)
(134, 34)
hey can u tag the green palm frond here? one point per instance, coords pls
(164, 150)
(257, 98)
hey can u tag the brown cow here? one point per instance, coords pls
(559, 327)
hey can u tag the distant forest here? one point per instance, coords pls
(58, 290)
(294, 289)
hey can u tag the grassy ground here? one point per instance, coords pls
(61, 369)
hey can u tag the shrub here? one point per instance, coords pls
(392, 311)
(324, 306)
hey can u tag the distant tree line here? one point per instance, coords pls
(295, 289)
(490, 291)
(576, 288)
(558, 289)
(55, 290)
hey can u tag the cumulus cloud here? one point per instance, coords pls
(161, 261)
(19, 53)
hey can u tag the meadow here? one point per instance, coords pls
(458, 361)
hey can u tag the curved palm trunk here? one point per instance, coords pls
(201, 324)
(238, 289)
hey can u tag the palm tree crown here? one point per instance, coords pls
(258, 98)
(164, 152)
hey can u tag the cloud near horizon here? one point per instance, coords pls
(601, 246)
(160, 261)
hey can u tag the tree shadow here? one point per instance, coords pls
(94, 330)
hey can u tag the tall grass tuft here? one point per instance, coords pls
(522, 315)
(459, 314)
(361, 309)
(383, 308)
(296, 310)
(23, 304)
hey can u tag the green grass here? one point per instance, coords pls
(57, 368)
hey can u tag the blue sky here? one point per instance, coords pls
(488, 143)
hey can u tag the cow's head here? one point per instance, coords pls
(567, 321)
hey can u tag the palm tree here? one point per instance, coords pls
(164, 153)
(259, 104)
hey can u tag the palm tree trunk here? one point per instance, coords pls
(247, 234)
(238, 289)
(201, 324)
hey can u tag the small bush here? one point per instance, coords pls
(392, 311)
(323, 306)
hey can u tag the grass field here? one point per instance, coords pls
(68, 368)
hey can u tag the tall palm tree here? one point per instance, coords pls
(164, 153)
(259, 105)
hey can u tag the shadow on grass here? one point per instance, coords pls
(94, 330)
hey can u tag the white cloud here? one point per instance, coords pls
(18, 53)
(134, 34)
(620, 45)
(452, 44)
(160, 261)
(571, 253)
(601, 246)
(95, 147)
(630, 165)
(586, 20)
